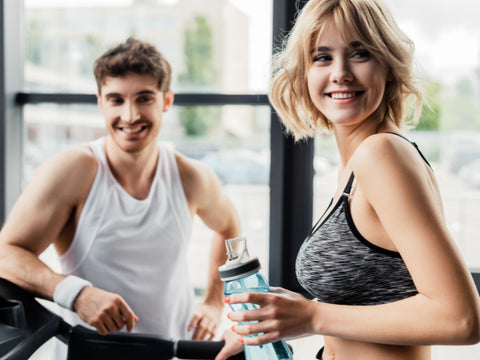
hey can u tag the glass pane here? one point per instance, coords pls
(233, 140)
(447, 47)
(449, 133)
(212, 45)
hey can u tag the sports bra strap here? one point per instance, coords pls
(414, 144)
(348, 187)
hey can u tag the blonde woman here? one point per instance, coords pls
(386, 275)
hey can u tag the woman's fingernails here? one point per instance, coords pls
(227, 300)
(228, 315)
(241, 340)
(233, 328)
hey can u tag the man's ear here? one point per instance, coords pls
(168, 100)
(99, 100)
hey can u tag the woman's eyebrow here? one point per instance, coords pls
(355, 44)
(324, 48)
(320, 49)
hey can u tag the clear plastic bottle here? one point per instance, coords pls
(241, 274)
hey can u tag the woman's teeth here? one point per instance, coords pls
(347, 95)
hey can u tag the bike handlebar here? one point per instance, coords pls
(25, 325)
(88, 344)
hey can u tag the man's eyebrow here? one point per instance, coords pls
(142, 92)
(112, 94)
(146, 92)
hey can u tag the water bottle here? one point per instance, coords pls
(241, 274)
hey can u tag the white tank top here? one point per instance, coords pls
(137, 248)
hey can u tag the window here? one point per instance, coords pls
(220, 55)
(214, 46)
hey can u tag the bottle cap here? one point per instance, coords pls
(239, 262)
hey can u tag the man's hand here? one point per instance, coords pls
(106, 311)
(232, 346)
(205, 321)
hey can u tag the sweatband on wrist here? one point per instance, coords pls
(68, 289)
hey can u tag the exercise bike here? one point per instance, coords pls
(25, 325)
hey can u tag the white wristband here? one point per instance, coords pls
(68, 289)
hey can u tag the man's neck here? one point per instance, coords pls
(134, 171)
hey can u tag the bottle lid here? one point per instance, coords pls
(239, 262)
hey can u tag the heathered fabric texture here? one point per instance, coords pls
(337, 265)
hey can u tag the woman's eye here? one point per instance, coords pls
(322, 58)
(361, 54)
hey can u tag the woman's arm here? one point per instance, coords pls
(446, 310)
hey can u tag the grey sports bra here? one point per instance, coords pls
(337, 265)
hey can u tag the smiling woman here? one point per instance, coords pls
(382, 289)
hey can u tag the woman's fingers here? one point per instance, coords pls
(252, 298)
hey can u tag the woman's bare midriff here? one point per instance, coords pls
(341, 349)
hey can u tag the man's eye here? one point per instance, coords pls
(116, 101)
(145, 99)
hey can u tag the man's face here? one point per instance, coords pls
(133, 107)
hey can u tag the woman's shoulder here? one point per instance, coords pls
(385, 147)
(386, 154)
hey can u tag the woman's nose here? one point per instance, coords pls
(341, 72)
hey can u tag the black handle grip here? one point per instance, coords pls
(195, 349)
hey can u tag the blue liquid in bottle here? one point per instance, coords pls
(241, 274)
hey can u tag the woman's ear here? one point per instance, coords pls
(390, 76)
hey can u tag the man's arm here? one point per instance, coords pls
(46, 213)
(207, 200)
(39, 218)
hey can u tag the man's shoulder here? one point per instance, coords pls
(77, 163)
(66, 177)
(190, 167)
(79, 157)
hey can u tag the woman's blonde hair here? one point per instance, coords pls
(370, 22)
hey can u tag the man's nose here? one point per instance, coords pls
(129, 112)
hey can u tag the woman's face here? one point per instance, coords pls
(345, 82)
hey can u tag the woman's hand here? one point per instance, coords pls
(282, 314)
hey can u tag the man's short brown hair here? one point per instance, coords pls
(133, 56)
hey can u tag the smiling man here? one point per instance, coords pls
(119, 212)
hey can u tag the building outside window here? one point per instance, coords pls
(209, 45)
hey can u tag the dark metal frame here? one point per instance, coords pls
(291, 178)
(181, 99)
(11, 129)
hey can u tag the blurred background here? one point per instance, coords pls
(224, 47)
